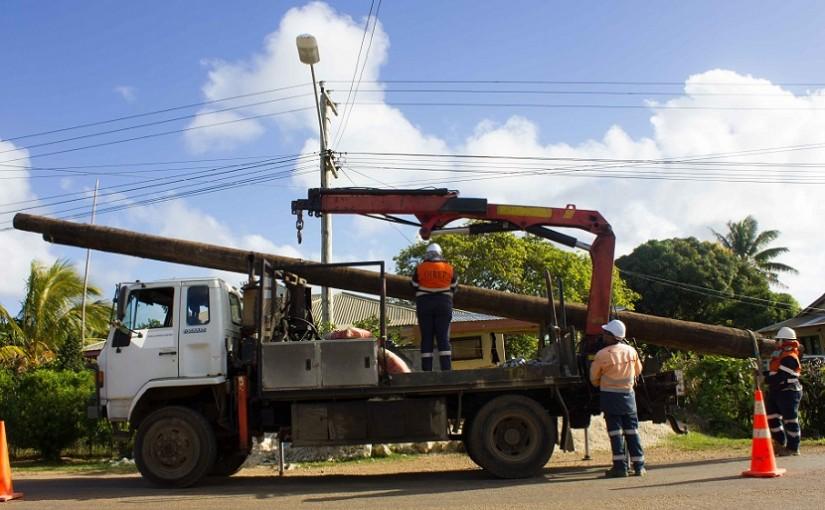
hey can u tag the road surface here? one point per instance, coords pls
(448, 482)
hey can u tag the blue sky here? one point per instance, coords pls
(70, 63)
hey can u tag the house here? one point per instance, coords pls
(477, 339)
(809, 325)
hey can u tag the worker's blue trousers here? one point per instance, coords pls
(783, 417)
(622, 426)
(435, 312)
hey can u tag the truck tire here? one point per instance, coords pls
(175, 447)
(511, 437)
(465, 438)
(228, 463)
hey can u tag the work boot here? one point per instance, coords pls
(615, 473)
(640, 472)
(783, 452)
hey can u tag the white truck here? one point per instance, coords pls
(196, 369)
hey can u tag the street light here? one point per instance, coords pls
(308, 54)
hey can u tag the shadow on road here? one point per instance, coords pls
(319, 489)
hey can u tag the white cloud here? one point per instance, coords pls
(277, 66)
(126, 92)
(17, 249)
(639, 208)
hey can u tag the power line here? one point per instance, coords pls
(578, 92)
(710, 292)
(302, 170)
(155, 112)
(153, 123)
(594, 106)
(160, 181)
(596, 82)
(164, 133)
(345, 121)
(357, 61)
(208, 168)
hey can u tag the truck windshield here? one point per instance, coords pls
(149, 308)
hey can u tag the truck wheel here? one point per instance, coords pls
(512, 437)
(465, 438)
(228, 463)
(175, 446)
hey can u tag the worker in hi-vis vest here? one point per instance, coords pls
(785, 393)
(435, 283)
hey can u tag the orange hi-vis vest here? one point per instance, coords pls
(434, 277)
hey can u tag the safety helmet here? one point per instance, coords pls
(616, 328)
(785, 333)
(433, 252)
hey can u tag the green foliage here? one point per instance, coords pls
(511, 263)
(50, 313)
(70, 355)
(373, 324)
(521, 346)
(47, 409)
(812, 407)
(696, 280)
(745, 241)
(719, 391)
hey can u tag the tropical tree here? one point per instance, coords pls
(701, 281)
(512, 263)
(49, 315)
(746, 242)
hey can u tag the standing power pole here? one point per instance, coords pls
(327, 167)
(86, 272)
(308, 54)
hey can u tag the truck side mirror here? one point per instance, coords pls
(122, 293)
(122, 336)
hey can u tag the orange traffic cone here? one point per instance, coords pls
(763, 463)
(6, 490)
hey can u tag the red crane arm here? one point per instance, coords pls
(436, 208)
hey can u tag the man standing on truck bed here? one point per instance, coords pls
(614, 371)
(435, 283)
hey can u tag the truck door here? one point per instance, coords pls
(202, 338)
(152, 352)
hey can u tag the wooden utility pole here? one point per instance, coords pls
(646, 328)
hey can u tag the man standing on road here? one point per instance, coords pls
(614, 371)
(785, 393)
(435, 283)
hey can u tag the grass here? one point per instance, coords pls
(73, 466)
(696, 441)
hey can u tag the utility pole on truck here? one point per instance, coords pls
(308, 54)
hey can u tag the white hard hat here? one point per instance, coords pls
(433, 251)
(785, 333)
(616, 328)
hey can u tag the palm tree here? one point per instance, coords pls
(49, 314)
(746, 242)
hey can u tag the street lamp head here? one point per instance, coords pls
(307, 49)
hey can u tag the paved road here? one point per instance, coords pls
(694, 484)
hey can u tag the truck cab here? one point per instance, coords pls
(179, 331)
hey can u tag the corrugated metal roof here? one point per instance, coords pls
(349, 308)
(800, 321)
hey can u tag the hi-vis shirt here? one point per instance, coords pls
(615, 368)
(434, 277)
(785, 369)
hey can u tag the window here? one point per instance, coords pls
(197, 305)
(149, 308)
(467, 348)
(812, 344)
(235, 308)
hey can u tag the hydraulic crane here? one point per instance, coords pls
(435, 209)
